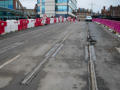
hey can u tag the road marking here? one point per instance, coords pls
(6, 63)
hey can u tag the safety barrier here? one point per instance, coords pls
(47, 21)
(55, 20)
(115, 25)
(22, 24)
(51, 20)
(12, 26)
(38, 22)
(2, 27)
(31, 23)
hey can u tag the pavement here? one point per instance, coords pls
(55, 55)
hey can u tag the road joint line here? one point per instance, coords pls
(10, 61)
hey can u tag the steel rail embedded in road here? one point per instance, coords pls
(51, 53)
(91, 68)
(29, 77)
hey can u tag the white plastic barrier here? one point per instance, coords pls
(12, 26)
(51, 20)
(31, 23)
(57, 20)
(60, 19)
(43, 21)
(65, 19)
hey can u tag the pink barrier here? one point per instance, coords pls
(115, 25)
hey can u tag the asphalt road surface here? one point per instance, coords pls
(52, 57)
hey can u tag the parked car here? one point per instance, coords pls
(88, 18)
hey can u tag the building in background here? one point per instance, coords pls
(8, 9)
(82, 13)
(112, 11)
(56, 7)
(13, 9)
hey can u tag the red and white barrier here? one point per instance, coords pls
(51, 20)
(47, 21)
(31, 23)
(3, 24)
(22, 24)
(55, 20)
(12, 26)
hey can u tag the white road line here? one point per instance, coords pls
(6, 63)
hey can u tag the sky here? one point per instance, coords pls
(96, 5)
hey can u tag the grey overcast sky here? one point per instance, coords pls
(95, 4)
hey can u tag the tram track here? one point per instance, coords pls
(51, 53)
(91, 58)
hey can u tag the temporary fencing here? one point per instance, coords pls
(22, 24)
(112, 24)
(31, 23)
(12, 26)
(2, 27)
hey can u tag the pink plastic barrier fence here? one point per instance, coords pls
(115, 25)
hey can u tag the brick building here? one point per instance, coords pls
(82, 13)
(113, 11)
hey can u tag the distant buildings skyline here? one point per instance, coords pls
(97, 4)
